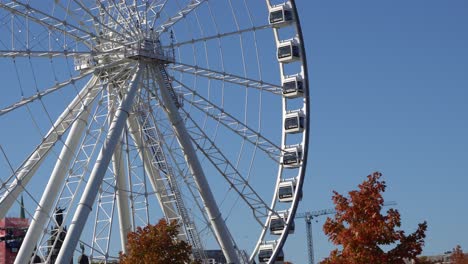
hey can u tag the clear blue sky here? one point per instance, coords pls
(389, 92)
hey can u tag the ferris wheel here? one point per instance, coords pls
(116, 113)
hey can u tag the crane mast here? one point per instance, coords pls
(308, 216)
(310, 245)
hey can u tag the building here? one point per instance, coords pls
(442, 259)
(214, 257)
(12, 232)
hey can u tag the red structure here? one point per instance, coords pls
(12, 232)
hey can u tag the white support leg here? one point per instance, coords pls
(29, 167)
(122, 192)
(221, 231)
(122, 196)
(99, 170)
(44, 210)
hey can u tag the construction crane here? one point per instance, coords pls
(309, 215)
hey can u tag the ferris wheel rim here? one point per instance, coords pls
(305, 142)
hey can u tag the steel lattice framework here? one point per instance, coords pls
(195, 111)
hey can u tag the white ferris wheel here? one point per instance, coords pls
(116, 113)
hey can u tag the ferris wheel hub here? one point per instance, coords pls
(149, 50)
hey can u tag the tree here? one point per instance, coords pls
(156, 244)
(457, 256)
(360, 229)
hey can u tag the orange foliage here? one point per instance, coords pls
(156, 244)
(458, 257)
(360, 229)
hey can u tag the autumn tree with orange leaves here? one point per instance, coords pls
(457, 256)
(360, 229)
(156, 244)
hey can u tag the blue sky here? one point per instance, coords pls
(389, 91)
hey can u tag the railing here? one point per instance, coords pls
(151, 49)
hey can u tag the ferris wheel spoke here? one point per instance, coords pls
(86, 37)
(44, 53)
(218, 36)
(123, 23)
(55, 88)
(16, 182)
(96, 20)
(126, 16)
(41, 94)
(229, 121)
(222, 164)
(73, 14)
(156, 4)
(227, 77)
(48, 22)
(179, 16)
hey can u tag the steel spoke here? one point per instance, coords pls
(55, 88)
(218, 36)
(179, 16)
(227, 77)
(44, 22)
(209, 149)
(42, 93)
(229, 121)
(16, 182)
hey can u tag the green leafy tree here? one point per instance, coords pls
(156, 244)
(360, 229)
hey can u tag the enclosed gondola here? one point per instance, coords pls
(294, 122)
(286, 191)
(281, 15)
(277, 223)
(266, 251)
(293, 87)
(288, 51)
(291, 157)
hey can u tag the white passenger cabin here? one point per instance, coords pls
(293, 87)
(281, 15)
(288, 51)
(277, 224)
(286, 190)
(266, 250)
(294, 122)
(292, 157)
